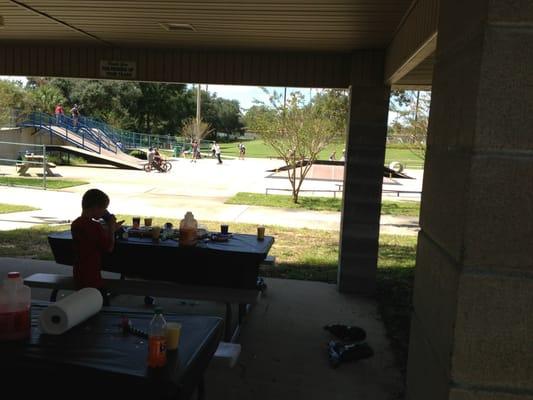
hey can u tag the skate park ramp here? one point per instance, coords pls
(120, 159)
(329, 171)
(88, 139)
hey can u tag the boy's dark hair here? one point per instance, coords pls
(94, 198)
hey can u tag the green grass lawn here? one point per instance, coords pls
(396, 208)
(258, 149)
(11, 208)
(51, 183)
(409, 158)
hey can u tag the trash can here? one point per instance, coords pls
(177, 150)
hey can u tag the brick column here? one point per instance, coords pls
(472, 325)
(363, 176)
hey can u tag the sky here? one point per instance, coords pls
(247, 94)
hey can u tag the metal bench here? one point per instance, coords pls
(398, 192)
(136, 287)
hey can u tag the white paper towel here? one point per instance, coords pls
(70, 311)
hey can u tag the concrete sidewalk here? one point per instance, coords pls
(200, 187)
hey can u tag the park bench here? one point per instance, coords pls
(269, 261)
(135, 287)
(398, 192)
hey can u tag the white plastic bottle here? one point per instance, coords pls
(15, 304)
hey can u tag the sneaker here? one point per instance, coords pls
(347, 333)
(339, 352)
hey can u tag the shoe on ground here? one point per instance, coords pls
(339, 352)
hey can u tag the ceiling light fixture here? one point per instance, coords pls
(174, 26)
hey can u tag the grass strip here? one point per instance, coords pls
(51, 183)
(11, 208)
(395, 208)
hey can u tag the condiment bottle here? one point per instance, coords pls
(188, 230)
(15, 304)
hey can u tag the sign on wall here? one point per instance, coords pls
(118, 69)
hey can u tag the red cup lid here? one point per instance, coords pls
(13, 275)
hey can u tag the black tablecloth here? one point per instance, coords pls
(234, 263)
(96, 358)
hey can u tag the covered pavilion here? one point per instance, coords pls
(472, 329)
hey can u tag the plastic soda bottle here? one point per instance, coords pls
(15, 304)
(188, 230)
(157, 342)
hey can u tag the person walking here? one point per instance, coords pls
(242, 151)
(59, 112)
(217, 153)
(194, 149)
(75, 112)
(213, 149)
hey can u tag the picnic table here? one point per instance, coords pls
(232, 264)
(34, 161)
(95, 359)
(231, 268)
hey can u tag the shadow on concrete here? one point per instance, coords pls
(284, 345)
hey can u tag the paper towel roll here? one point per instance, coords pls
(70, 311)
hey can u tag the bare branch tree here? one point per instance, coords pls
(298, 132)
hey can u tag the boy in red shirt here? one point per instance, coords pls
(92, 238)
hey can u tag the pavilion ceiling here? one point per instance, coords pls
(259, 25)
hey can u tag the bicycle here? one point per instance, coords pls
(163, 166)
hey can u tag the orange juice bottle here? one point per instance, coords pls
(157, 342)
(188, 230)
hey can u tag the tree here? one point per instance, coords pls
(298, 132)
(12, 101)
(44, 98)
(191, 130)
(411, 122)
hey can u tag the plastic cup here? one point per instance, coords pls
(224, 229)
(136, 222)
(260, 233)
(173, 333)
(156, 233)
(148, 221)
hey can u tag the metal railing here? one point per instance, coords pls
(72, 130)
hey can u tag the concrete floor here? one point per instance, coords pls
(284, 348)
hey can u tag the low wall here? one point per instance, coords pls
(24, 135)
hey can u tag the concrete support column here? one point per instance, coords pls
(365, 153)
(472, 325)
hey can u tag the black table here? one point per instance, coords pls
(95, 359)
(233, 264)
